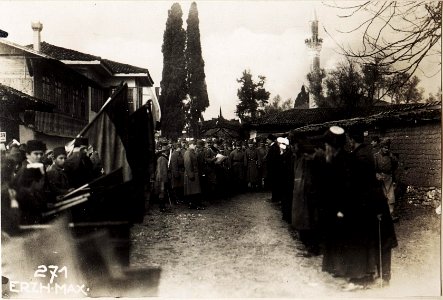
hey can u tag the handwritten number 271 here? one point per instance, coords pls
(53, 270)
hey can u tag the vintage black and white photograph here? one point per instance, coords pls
(220, 149)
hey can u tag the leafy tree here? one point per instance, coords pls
(252, 96)
(434, 98)
(344, 86)
(173, 83)
(375, 80)
(277, 105)
(195, 71)
(399, 34)
(408, 91)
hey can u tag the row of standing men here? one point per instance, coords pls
(332, 192)
(188, 171)
(331, 189)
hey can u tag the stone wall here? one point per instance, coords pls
(419, 150)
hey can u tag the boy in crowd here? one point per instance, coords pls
(57, 178)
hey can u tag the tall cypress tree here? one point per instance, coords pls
(173, 84)
(195, 68)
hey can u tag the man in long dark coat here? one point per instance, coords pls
(284, 178)
(262, 173)
(237, 166)
(335, 206)
(31, 184)
(271, 165)
(308, 169)
(192, 188)
(350, 212)
(373, 206)
(177, 168)
(209, 169)
(252, 163)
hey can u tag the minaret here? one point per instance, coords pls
(314, 44)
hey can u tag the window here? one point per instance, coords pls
(97, 99)
(58, 95)
(131, 99)
(82, 103)
(76, 101)
(47, 89)
(135, 97)
(67, 99)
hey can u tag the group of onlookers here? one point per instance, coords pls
(34, 178)
(335, 194)
(335, 190)
(189, 171)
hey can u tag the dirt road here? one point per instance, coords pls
(240, 247)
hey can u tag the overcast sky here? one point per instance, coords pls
(266, 37)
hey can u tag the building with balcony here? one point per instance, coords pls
(63, 88)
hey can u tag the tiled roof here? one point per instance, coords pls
(296, 118)
(117, 67)
(65, 54)
(396, 114)
(22, 101)
(61, 53)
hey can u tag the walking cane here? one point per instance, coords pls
(379, 248)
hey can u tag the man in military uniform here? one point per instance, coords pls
(192, 188)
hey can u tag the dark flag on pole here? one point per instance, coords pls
(108, 133)
(125, 145)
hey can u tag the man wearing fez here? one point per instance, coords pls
(334, 203)
(78, 166)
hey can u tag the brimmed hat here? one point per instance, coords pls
(335, 136)
(59, 151)
(35, 145)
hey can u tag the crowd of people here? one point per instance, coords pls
(339, 205)
(190, 171)
(336, 191)
(34, 178)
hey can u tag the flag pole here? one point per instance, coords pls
(119, 88)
